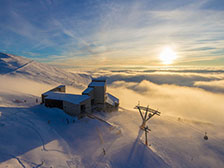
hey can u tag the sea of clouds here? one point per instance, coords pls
(182, 92)
(195, 93)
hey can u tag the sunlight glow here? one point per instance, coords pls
(167, 56)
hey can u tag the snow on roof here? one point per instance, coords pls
(97, 84)
(110, 99)
(88, 90)
(72, 98)
(46, 93)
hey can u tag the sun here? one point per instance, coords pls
(167, 56)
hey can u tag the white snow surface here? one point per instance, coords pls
(32, 135)
(35, 136)
(11, 65)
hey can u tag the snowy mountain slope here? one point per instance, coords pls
(32, 135)
(178, 141)
(35, 136)
(11, 65)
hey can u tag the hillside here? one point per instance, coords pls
(32, 135)
(35, 136)
(17, 66)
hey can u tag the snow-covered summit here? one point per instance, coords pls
(11, 65)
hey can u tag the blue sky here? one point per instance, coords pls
(111, 33)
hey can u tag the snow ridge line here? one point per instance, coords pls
(15, 157)
(19, 67)
(20, 162)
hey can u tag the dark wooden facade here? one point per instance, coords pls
(54, 103)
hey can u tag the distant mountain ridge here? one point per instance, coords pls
(11, 65)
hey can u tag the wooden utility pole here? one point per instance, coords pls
(146, 137)
(146, 113)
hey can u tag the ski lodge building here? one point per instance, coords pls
(93, 97)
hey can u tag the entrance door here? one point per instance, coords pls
(83, 109)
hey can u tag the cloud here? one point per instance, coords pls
(23, 85)
(191, 93)
(112, 32)
(137, 34)
(18, 87)
(181, 77)
(214, 86)
(188, 102)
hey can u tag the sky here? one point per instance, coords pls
(113, 33)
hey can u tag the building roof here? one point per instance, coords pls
(110, 99)
(52, 90)
(99, 79)
(60, 86)
(46, 93)
(72, 98)
(97, 84)
(88, 90)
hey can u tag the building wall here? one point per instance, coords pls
(75, 109)
(43, 98)
(110, 108)
(99, 107)
(87, 104)
(54, 103)
(99, 94)
(90, 94)
(70, 108)
(59, 89)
